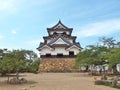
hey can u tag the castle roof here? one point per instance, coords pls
(59, 36)
(59, 27)
(48, 37)
(77, 45)
(60, 39)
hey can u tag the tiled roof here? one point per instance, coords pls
(59, 25)
(40, 46)
(68, 44)
(74, 44)
(60, 36)
(71, 37)
(57, 36)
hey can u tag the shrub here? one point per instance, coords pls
(103, 82)
(99, 82)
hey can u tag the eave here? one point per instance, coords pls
(40, 48)
(68, 48)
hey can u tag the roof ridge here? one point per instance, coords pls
(59, 23)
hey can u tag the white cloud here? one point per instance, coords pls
(102, 28)
(11, 6)
(8, 5)
(35, 42)
(1, 36)
(14, 32)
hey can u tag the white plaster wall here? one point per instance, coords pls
(45, 50)
(76, 50)
(54, 52)
(59, 50)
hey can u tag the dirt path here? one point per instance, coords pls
(56, 81)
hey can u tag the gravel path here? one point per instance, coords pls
(56, 81)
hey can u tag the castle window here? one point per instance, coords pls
(59, 54)
(71, 53)
(64, 33)
(48, 54)
(54, 33)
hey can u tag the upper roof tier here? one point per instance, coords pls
(59, 25)
(59, 28)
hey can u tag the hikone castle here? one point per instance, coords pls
(59, 49)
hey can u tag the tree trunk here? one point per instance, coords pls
(114, 70)
(17, 75)
(8, 79)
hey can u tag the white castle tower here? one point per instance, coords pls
(59, 43)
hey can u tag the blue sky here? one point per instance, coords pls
(23, 23)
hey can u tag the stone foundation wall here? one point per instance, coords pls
(57, 64)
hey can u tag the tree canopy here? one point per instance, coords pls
(107, 49)
(18, 61)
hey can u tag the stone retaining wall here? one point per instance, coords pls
(57, 64)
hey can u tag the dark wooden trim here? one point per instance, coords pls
(55, 56)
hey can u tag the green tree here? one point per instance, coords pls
(16, 61)
(33, 66)
(108, 42)
(98, 54)
(114, 58)
(6, 66)
(91, 55)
